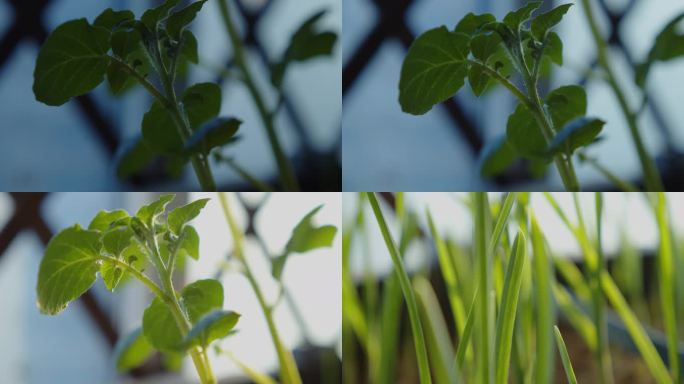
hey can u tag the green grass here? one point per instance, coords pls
(489, 311)
(409, 296)
(565, 358)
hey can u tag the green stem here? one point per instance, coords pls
(168, 296)
(198, 355)
(651, 176)
(563, 162)
(624, 185)
(285, 169)
(533, 103)
(409, 296)
(289, 374)
(169, 101)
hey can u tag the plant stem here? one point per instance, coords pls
(169, 101)
(563, 162)
(285, 169)
(199, 161)
(409, 296)
(289, 373)
(198, 354)
(624, 185)
(534, 105)
(651, 176)
(168, 296)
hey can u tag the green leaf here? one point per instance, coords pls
(202, 102)
(434, 69)
(577, 133)
(148, 213)
(153, 16)
(159, 130)
(111, 274)
(524, 134)
(72, 62)
(132, 158)
(471, 23)
(516, 18)
(478, 80)
(216, 133)
(484, 46)
(115, 241)
(668, 45)
(553, 48)
(189, 243)
(214, 326)
(125, 42)
(104, 219)
(496, 157)
(160, 328)
(68, 268)
(132, 351)
(565, 104)
(307, 43)
(545, 21)
(189, 47)
(179, 20)
(202, 297)
(117, 77)
(181, 215)
(305, 237)
(110, 19)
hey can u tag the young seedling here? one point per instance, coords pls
(154, 52)
(485, 51)
(117, 245)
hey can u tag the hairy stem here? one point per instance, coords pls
(198, 354)
(285, 169)
(651, 176)
(289, 374)
(562, 161)
(170, 102)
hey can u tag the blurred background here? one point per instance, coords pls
(76, 346)
(73, 147)
(387, 150)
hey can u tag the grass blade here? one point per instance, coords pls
(667, 290)
(545, 312)
(405, 283)
(464, 341)
(392, 300)
(438, 339)
(565, 358)
(448, 271)
(501, 221)
(484, 318)
(602, 351)
(509, 304)
(643, 342)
